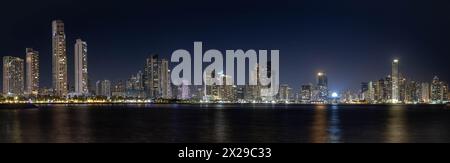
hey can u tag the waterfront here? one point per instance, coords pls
(226, 123)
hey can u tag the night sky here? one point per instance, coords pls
(352, 41)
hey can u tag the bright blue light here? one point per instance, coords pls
(334, 95)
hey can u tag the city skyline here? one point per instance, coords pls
(155, 82)
(347, 41)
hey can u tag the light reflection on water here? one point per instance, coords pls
(226, 123)
(397, 129)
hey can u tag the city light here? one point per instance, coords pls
(334, 95)
(154, 84)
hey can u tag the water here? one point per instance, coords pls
(226, 124)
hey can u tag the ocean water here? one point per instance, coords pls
(226, 123)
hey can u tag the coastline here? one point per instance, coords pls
(2, 105)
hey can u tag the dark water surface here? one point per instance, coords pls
(226, 123)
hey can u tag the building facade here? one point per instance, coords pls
(103, 88)
(395, 81)
(59, 59)
(81, 68)
(32, 72)
(13, 76)
(156, 77)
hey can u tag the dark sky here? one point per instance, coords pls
(352, 41)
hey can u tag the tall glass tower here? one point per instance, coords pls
(81, 68)
(32, 72)
(395, 81)
(59, 59)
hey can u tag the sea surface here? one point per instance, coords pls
(226, 123)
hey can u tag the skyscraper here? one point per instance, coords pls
(305, 94)
(32, 72)
(118, 89)
(395, 81)
(156, 77)
(322, 87)
(103, 88)
(81, 68)
(436, 90)
(59, 59)
(165, 79)
(364, 92)
(226, 91)
(425, 88)
(152, 77)
(284, 93)
(387, 93)
(135, 86)
(13, 76)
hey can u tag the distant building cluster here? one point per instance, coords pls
(397, 88)
(152, 83)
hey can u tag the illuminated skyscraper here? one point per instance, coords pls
(395, 81)
(59, 59)
(135, 86)
(425, 88)
(444, 92)
(118, 89)
(436, 90)
(103, 88)
(183, 91)
(32, 72)
(156, 77)
(211, 90)
(387, 92)
(152, 77)
(284, 93)
(322, 87)
(13, 76)
(306, 93)
(364, 92)
(165, 79)
(81, 68)
(226, 91)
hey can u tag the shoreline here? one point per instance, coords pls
(248, 104)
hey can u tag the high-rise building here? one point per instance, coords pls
(364, 92)
(402, 84)
(118, 89)
(81, 68)
(152, 77)
(240, 92)
(322, 87)
(59, 59)
(165, 79)
(371, 92)
(379, 85)
(32, 72)
(425, 88)
(226, 91)
(103, 88)
(436, 90)
(410, 92)
(212, 90)
(156, 77)
(183, 92)
(135, 86)
(444, 88)
(306, 93)
(387, 89)
(381, 91)
(13, 76)
(284, 93)
(395, 81)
